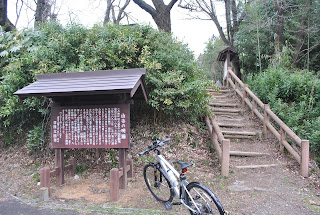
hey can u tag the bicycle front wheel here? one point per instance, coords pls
(202, 200)
(158, 183)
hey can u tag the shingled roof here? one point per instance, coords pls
(86, 83)
(222, 56)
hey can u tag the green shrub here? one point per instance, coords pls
(175, 83)
(295, 97)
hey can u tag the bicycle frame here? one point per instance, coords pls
(180, 193)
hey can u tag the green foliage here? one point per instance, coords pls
(257, 33)
(174, 80)
(208, 60)
(294, 96)
(35, 139)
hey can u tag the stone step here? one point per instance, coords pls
(256, 166)
(247, 154)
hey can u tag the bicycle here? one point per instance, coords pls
(162, 181)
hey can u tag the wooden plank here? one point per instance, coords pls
(221, 124)
(247, 154)
(217, 130)
(227, 110)
(238, 136)
(256, 166)
(223, 104)
(213, 140)
(248, 133)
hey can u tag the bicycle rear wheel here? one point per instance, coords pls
(202, 200)
(157, 183)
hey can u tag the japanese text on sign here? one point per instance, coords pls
(90, 127)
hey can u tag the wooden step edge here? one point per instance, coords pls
(247, 133)
(223, 104)
(238, 137)
(256, 166)
(221, 124)
(247, 154)
(227, 110)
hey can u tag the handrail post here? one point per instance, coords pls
(305, 158)
(244, 95)
(282, 138)
(254, 106)
(228, 76)
(225, 157)
(266, 119)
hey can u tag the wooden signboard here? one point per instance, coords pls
(99, 126)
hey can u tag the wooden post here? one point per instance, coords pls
(114, 185)
(244, 95)
(228, 76)
(236, 86)
(45, 177)
(72, 162)
(305, 158)
(123, 164)
(130, 172)
(59, 162)
(225, 157)
(282, 138)
(254, 106)
(266, 119)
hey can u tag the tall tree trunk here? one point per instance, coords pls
(300, 39)
(279, 7)
(4, 21)
(160, 12)
(43, 12)
(111, 12)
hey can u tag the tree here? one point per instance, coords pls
(43, 12)
(4, 21)
(160, 12)
(234, 13)
(279, 6)
(111, 11)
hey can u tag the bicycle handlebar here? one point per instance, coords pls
(154, 146)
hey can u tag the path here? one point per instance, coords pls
(263, 182)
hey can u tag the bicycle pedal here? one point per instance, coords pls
(176, 203)
(168, 205)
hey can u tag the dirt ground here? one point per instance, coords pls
(273, 190)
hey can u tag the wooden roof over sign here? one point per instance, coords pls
(222, 56)
(87, 83)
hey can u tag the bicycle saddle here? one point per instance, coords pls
(184, 164)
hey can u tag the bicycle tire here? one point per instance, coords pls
(158, 183)
(204, 201)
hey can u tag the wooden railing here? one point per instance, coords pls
(299, 149)
(221, 145)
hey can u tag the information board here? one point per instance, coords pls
(101, 126)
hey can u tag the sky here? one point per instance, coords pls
(89, 12)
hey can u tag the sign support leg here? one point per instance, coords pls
(59, 162)
(123, 166)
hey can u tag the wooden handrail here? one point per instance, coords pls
(295, 137)
(303, 158)
(221, 145)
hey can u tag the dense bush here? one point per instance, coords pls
(176, 84)
(295, 97)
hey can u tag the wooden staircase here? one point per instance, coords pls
(247, 148)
